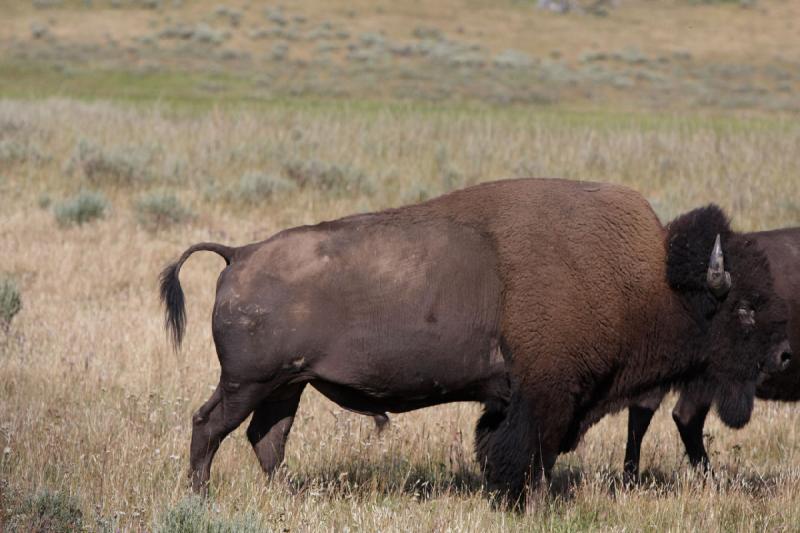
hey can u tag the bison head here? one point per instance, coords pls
(726, 284)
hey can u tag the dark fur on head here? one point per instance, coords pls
(690, 239)
(733, 353)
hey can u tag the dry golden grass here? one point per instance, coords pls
(93, 402)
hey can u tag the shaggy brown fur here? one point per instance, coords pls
(782, 247)
(573, 287)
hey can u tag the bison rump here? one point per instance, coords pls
(378, 316)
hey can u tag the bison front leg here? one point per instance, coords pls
(510, 450)
(689, 415)
(270, 426)
(638, 421)
(639, 417)
(229, 405)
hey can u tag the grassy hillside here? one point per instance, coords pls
(656, 55)
(129, 132)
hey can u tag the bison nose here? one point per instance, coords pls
(782, 358)
(786, 358)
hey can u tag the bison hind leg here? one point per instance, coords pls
(270, 426)
(229, 405)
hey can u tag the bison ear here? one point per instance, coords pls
(689, 239)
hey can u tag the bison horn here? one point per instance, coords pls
(719, 281)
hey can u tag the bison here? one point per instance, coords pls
(782, 247)
(552, 302)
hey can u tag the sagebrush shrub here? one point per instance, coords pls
(44, 200)
(116, 166)
(47, 511)
(10, 301)
(255, 187)
(14, 152)
(158, 210)
(81, 208)
(327, 177)
(191, 515)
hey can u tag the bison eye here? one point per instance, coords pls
(747, 315)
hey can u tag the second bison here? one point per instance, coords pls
(782, 247)
(553, 302)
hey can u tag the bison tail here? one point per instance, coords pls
(172, 293)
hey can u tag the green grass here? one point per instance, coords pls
(32, 80)
(178, 91)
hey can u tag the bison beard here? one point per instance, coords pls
(547, 300)
(734, 403)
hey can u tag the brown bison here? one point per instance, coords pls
(551, 302)
(782, 247)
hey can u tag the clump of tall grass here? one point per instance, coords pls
(158, 210)
(81, 208)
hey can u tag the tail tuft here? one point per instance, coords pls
(172, 297)
(172, 294)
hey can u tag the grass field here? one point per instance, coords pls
(112, 162)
